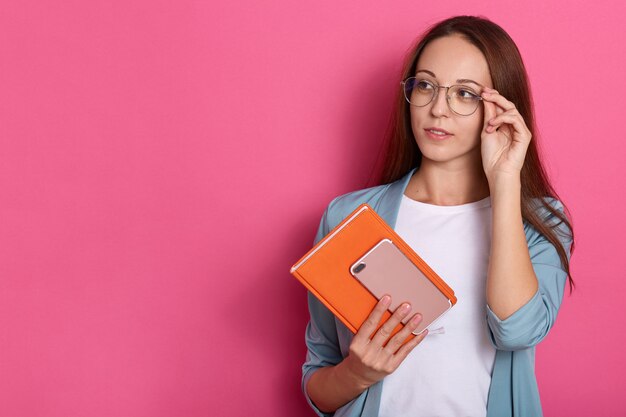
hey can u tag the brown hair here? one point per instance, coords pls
(510, 79)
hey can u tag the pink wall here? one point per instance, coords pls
(163, 163)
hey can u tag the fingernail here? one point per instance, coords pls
(416, 319)
(386, 299)
(405, 308)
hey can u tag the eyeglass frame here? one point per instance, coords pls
(437, 88)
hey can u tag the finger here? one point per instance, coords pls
(383, 334)
(489, 111)
(499, 110)
(396, 341)
(497, 121)
(511, 119)
(491, 95)
(371, 323)
(406, 348)
(512, 112)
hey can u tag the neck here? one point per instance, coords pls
(445, 184)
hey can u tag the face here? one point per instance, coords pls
(450, 61)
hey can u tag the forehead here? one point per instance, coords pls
(451, 58)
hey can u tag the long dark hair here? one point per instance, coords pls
(510, 79)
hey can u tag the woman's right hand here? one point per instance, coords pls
(374, 354)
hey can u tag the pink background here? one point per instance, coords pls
(163, 163)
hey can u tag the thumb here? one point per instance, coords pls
(489, 113)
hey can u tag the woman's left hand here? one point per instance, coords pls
(504, 138)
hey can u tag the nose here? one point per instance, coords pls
(440, 103)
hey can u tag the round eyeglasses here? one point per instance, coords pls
(462, 100)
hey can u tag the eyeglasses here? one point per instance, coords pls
(462, 99)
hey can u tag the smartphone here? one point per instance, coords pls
(384, 269)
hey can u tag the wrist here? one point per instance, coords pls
(505, 182)
(346, 373)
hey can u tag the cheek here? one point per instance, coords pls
(417, 118)
(474, 125)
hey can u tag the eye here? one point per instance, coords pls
(423, 85)
(466, 94)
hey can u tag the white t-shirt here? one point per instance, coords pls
(449, 372)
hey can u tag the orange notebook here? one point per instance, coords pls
(330, 270)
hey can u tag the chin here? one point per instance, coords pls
(446, 152)
(437, 150)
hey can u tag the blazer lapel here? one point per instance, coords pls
(389, 203)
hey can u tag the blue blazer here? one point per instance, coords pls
(513, 390)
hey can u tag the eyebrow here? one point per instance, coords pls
(460, 80)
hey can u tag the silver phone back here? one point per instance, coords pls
(386, 270)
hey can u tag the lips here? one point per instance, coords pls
(437, 134)
(438, 130)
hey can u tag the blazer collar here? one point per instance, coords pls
(388, 205)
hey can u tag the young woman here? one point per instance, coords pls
(464, 186)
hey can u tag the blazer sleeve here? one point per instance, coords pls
(532, 322)
(321, 333)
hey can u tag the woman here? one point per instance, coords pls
(464, 186)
